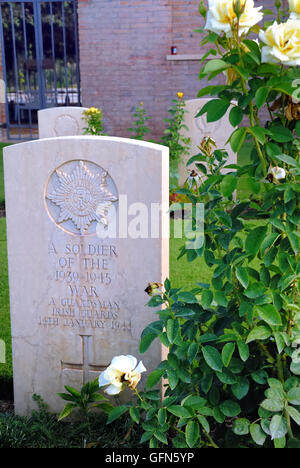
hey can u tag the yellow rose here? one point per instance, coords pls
(180, 95)
(282, 43)
(294, 9)
(221, 16)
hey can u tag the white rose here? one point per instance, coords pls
(122, 371)
(294, 9)
(221, 16)
(282, 43)
(277, 172)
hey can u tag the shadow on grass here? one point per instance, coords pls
(6, 388)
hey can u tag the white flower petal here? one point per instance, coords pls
(277, 172)
(133, 360)
(103, 380)
(123, 363)
(140, 368)
(113, 390)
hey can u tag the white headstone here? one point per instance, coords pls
(77, 299)
(198, 128)
(61, 121)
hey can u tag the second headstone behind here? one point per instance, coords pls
(61, 121)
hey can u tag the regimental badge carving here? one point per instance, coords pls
(79, 195)
(66, 125)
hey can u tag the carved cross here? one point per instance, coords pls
(85, 367)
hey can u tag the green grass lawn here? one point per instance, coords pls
(5, 369)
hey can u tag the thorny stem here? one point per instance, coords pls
(266, 352)
(138, 395)
(281, 378)
(252, 116)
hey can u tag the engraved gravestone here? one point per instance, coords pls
(61, 121)
(198, 128)
(81, 250)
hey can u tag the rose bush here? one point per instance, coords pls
(233, 368)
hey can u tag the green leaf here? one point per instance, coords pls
(280, 443)
(116, 413)
(272, 405)
(272, 149)
(228, 185)
(184, 375)
(192, 433)
(162, 416)
(230, 408)
(135, 415)
(295, 368)
(237, 139)
(73, 391)
(278, 427)
(172, 330)
(160, 436)
(215, 109)
(155, 301)
(243, 350)
(227, 353)
(221, 299)
(260, 377)
(293, 396)
(66, 411)
(172, 378)
(241, 426)
(215, 65)
(295, 415)
(154, 378)
(146, 342)
(192, 351)
(236, 116)
(154, 443)
(287, 159)
(254, 290)
(280, 343)
(204, 423)
(193, 401)
(241, 388)
(269, 240)
(260, 332)
(255, 239)
(269, 314)
(257, 434)
(262, 95)
(212, 358)
(179, 411)
(242, 275)
(281, 134)
(206, 298)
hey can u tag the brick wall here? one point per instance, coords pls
(123, 49)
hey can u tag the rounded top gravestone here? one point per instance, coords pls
(82, 247)
(198, 128)
(61, 121)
